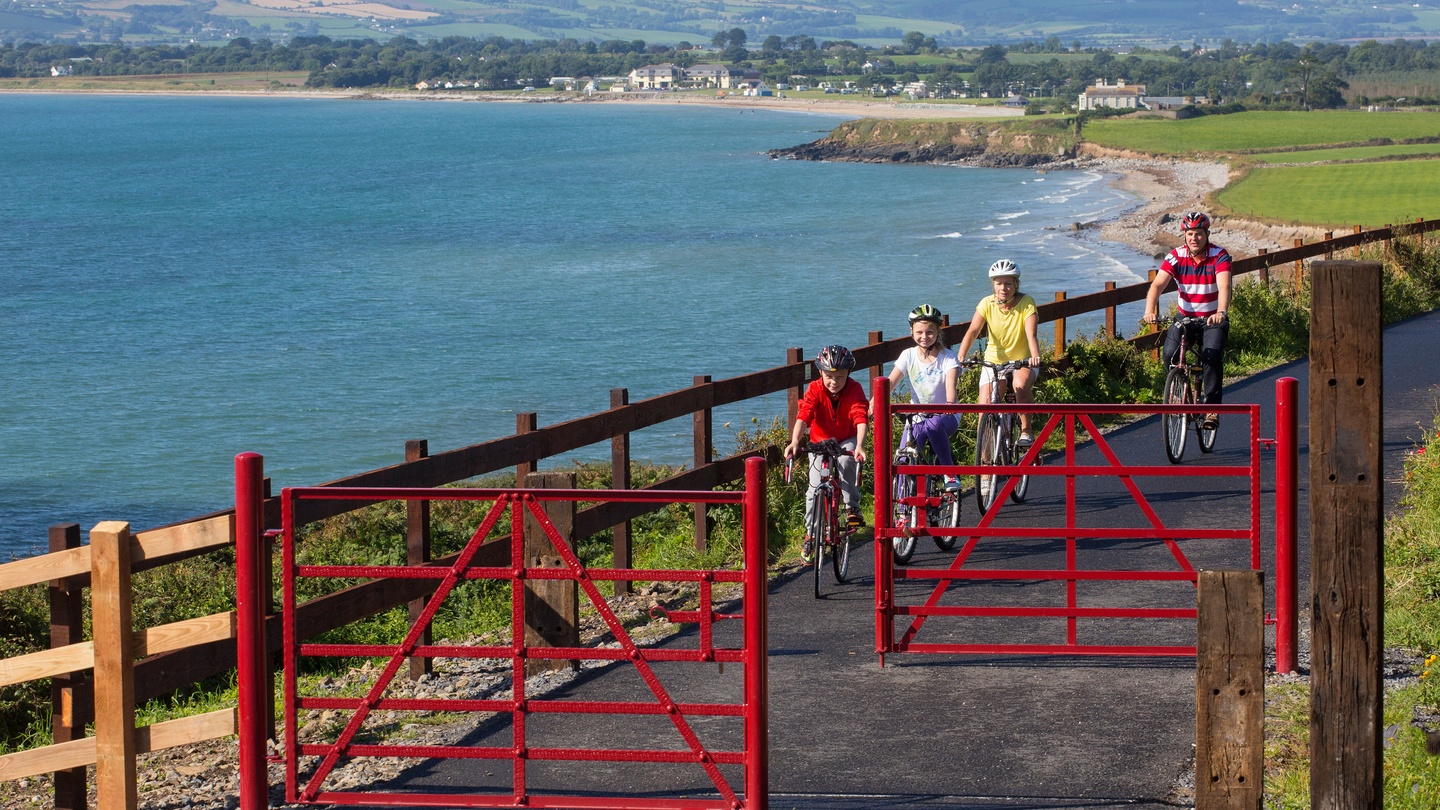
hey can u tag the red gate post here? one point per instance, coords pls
(757, 643)
(884, 511)
(250, 630)
(1287, 487)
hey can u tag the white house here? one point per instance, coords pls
(657, 77)
(1120, 94)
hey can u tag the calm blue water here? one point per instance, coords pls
(184, 279)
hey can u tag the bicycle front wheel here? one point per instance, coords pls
(905, 517)
(947, 514)
(825, 511)
(987, 453)
(1177, 392)
(1016, 453)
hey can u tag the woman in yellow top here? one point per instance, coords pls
(1011, 318)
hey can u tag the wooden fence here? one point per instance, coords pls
(133, 667)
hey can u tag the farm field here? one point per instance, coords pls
(1369, 194)
(1248, 131)
(168, 82)
(1350, 153)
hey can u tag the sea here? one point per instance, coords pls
(318, 280)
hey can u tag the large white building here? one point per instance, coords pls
(1120, 94)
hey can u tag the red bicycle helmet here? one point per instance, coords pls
(835, 358)
(1195, 221)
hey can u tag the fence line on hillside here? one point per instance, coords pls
(183, 653)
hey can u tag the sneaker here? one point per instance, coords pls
(1025, 439)
(1210, 422)
(952, 483)
(807, 551)
(853, 517)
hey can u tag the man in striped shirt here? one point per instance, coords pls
(1202, 275)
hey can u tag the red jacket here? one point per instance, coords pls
(826, 419)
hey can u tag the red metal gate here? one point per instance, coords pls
(1069, 604)
(749, 791)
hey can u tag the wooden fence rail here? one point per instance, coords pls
(183, 653)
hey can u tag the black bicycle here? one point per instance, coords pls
(942, 506)
(997, 440)
(1183, 384)
(829, 528)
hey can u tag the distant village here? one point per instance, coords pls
(749, 82)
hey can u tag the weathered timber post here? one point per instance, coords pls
(1347, 566)
(1420, 232)
(417, 552)
(1110, 313)
(115, 785)
(1154, 327)
(1059, 329)
(68, 718)
(1265, 267)
(525, 423)
(1299, 265)
(552, 606)
(1230, 691)
(1329, 249)
(704, 443)
(620, 479)
(877, 337)
(792, 404)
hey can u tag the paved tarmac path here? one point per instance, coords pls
(982, 731)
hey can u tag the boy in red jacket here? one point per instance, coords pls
(834, 407)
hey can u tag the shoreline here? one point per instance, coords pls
(1163, 187)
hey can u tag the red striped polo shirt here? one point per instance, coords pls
(1196, 278)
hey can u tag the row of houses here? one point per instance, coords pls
(669, 77)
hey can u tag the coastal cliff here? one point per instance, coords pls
(990, 143)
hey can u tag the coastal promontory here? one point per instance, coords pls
(996, 144)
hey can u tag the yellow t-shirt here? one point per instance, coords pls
(1007, 329)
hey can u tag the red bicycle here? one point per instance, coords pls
(828, 530)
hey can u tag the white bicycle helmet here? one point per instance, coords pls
(1004, 267)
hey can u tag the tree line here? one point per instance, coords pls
(1279, 74)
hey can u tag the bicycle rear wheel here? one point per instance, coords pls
(1016, 453)
(840, 555)
(946, 515)
(1174, 425)
(905, 516)
(987, 453)
(1206, 437)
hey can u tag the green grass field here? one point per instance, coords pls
(1350, 153)
(1258, 130)
(1370, 194)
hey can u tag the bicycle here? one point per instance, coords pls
(997, 439)
(829, 528)
(942, 506)
(1183, 382)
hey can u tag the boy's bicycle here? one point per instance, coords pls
(942, 506)
(829, 529)
(1183, 384)
(997, 441)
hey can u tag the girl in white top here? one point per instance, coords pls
(931, 370)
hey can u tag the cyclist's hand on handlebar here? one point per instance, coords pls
(1217, 319)
(1151, 317)
(1034, 362)
(859, 455)
(789, 451)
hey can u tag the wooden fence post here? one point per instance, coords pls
(620, 479)
(1346, 575)
(877, 337)
(525, 423)
(1110, 330)
(792, 405)
(1265, 267)
(1329, 250)
(1154, 327)
(417, 552)
(552, 606)
(1299, 265)
(115, 784)
(1420, 232)
(1230, 691)
(704, 445)
(1059, 329)
(68, 717)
